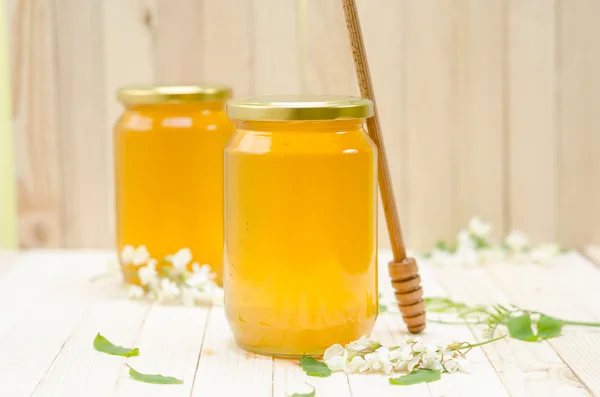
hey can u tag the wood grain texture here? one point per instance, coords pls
(228, 52)
(128, 43)
(525, 369)
(250, 371)
(171, 357)
(277, 44)
(85, 146)
(83, 371)
(580, 351)
(289, 378)
(559, 291)
(8, 202)
(486, 382)
(487, 107)
(179, 37)
(35, 124)
(47, 286)
(593, 252)
(579, 81)
(329, 66)
(478, 85)
(43, 356)
(532, 111)
(429, 37)
(571, 278)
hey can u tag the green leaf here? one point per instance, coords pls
(520, 328)
(549, 327)
(382, 308)
(453, 247)
(156, 379)
(314, 367)
(417, 376)
(441, 245)
(104, 346)
(480, 242)
(312, 393)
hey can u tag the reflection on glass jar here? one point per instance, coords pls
(169, 172)
(300, 269)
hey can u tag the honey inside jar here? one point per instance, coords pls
(169, 172)
(301, 221)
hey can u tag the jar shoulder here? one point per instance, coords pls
(154, 120)
(300, 141)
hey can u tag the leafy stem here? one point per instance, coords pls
(527, 325)
(450, 322)
(469, 346)
(582, 323)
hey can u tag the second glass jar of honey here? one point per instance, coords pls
(300, 269)
(169, 172)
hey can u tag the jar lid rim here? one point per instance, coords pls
(299, 107)
(154, 94)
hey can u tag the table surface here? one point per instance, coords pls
(51, 314)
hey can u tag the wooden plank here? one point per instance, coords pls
(85, 135)
(593, 253)
(251, 372)
(26, 283)
(228, 54)
(8, 205)
(171, 351)
(532, 117)
(78, 369)
(478, 82)
(8, 261)
(562, 289)
(180, 40)
(289, 378)
(567, 290)
(579, 62)
(386, 331)
(35, 122)
(47, 286)
(580, 351)
(386, 62)
(276, 47)
(532, 369)
(429, 38)
(484, 378)
(329, 65)
(128, 31)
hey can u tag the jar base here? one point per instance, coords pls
(278, 352)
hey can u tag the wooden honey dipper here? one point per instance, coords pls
(403, 271)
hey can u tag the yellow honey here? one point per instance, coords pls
(169, 172)
(300, 270)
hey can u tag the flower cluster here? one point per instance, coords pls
(170, 281)
(410, 354)
(474, 247)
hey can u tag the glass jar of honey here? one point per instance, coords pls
(169, 172)
(300, 270)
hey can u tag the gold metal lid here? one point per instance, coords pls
(172, 94)
(300, 107)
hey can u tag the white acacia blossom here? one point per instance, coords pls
(180, 259)
(367, 355)
(170, 281)
(474, 247)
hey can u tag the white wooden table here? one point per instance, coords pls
(50, 313)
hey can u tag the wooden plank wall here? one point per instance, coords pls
(489, 107)
(8, 216)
